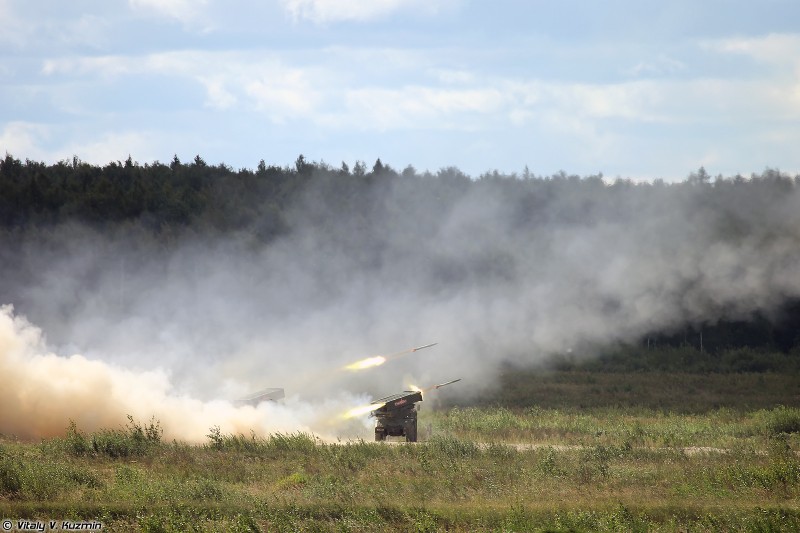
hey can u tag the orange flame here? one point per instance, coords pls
(369, 362)
(362, 410)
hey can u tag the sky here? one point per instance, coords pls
(634, 89)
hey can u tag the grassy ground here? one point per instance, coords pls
(670, 391)
(626, 427)
(478, 469)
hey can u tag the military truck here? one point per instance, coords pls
(396, 416)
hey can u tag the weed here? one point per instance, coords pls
(602, 469)
(453, 447)
(215, 436)
(274, 444)
(547, 463)
(10, 479)
(783, 420)
(203, 489)
(293, 480)
(133, 440)
(75, 441)
(244, 523)
(596, 462)
(623, 519)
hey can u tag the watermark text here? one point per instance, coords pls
(51, 525)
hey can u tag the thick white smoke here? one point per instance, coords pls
(494, 270)
(42, 390)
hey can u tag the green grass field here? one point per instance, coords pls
(478, 468)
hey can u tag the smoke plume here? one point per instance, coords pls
(493, 270)
(43, 390)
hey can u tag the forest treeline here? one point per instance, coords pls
(159, 196)
(162, 203)
(218, 198)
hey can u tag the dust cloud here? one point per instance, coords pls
(43, 390)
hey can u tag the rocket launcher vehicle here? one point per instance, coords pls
(396, 415)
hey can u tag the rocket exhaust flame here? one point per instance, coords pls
(414, 388)
(362, 410)
(378, 360)
(369, 362)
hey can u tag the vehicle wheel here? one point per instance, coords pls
(411, 433)
(380, 434)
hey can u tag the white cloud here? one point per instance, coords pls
(326, 11)
(112, 146)
(407, 90)
(694, 101)
(463, 98)
(778, 48)
(24, 139)
(284, 93)
(12, 29)
(188, 12)
(229, 79)
(454, 77)
(31, 141)
(420, 107)
(631, 100)
(493, 101)
(660, 66)
(82, 66)
(218, 96)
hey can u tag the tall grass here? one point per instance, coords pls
(783, 420)
(616, 426)
(676, 391)
(595, 470)
(133, 439)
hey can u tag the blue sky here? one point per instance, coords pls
(638, 89)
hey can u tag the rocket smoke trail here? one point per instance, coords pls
(371, 362)
(302, 381)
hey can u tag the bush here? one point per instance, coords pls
(783, 420)
(273, 444)
(452, 447)
(10, 482)
(75, 441)
(133, 440)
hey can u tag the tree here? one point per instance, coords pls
(10, 168)
(359, 169)
(302, 166)
(701, 177)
